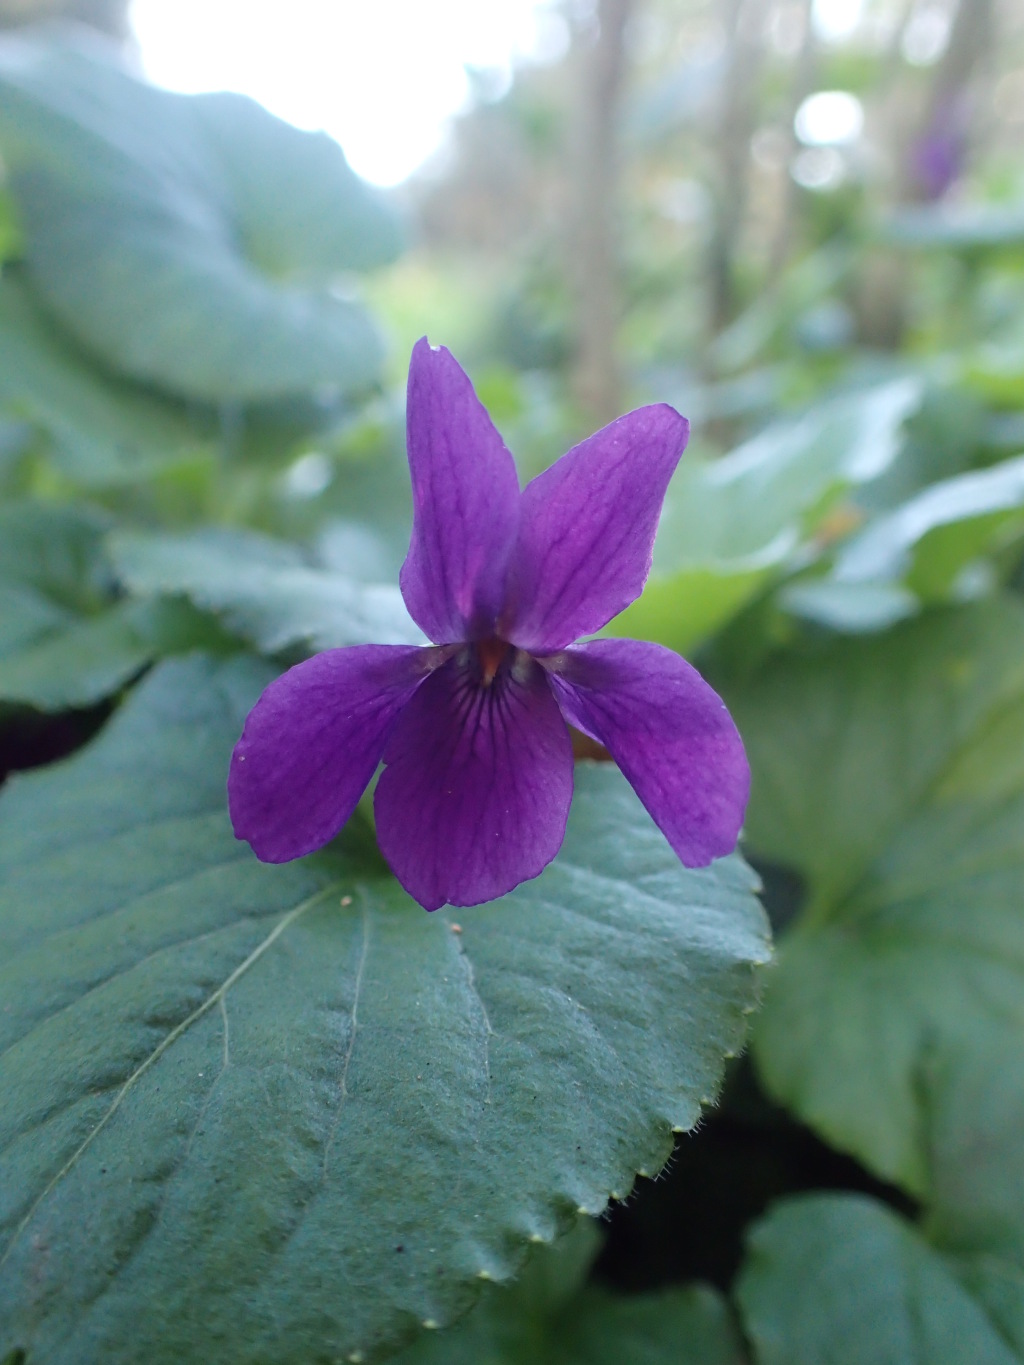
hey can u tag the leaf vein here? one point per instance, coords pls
(171, 1038)
(353, 1028)
(190, 941)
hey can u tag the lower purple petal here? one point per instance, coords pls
(313, 741)
(476, 789)
(670, 734)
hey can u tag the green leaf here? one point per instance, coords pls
(264, 589)
(690, 1326)
(101, 431)
(809, 283)
(51, 569)
(304, 214)
(996, 370)
(515, 1321)
(80, 662)
(958, 227)
(765, 489)
(943, 438)
(232, 1091)
(839, 1277)
(730, 526)
(548, 1318)
(16, 441)
(930, 549)
(1000, 1289)
(976, 1100)
(925, 544)
(62, 644)
(139, 205)
(889, 772)
(77, 665)
(10, 229)
(850, 607)
(685, 608)
(26, 616)
(54, 550)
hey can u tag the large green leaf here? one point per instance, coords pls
(890, 773)
(548, 1317)
(139, 207)
(100, 430)
(283, 1108)
(840, 1278)
(731, 525)
(265, 590)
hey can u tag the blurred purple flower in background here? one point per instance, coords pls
(939, 155)
(478, 773)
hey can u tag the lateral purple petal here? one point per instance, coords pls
(313, 741)
(465, 502)
(476, 789)
(668, 731)
(586, 530)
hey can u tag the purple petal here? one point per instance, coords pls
(670, 734)
(586, 532)
(313, 741)
(476, 791)
(465, 503)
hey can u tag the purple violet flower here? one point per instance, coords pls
(472, 730)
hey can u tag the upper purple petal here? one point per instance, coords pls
(313, 741)
(476, 789)
(465, 502)
(668, 731)
(586, 530)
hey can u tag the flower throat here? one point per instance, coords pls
(491, 654)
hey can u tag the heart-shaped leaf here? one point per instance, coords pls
(284, 1108)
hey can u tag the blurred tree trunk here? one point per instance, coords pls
(593, 241)
(110, 16)
(880, 287)
(804, 75)
(931, 148)
(745, 24)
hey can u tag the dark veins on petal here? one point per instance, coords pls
(477, 778)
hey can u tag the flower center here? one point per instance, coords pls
(491, 654)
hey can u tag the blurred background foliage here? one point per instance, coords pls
(812, 243)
